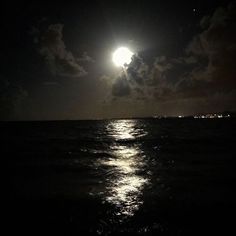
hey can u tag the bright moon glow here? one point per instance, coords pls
(122, 56)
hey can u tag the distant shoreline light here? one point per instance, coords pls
(200, 116)
(211, 116)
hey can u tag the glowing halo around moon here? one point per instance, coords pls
(122, 56)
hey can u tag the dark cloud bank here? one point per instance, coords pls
(12, 97)
(60, 61)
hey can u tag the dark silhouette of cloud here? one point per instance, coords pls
(121, 87)
(11, 98)
(60, 60)
(85, 58)
(217, 44)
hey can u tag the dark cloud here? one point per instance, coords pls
(51, 83)
(217, 44)
(60, 60)
(210, 55)
(137, 70)
(11, 98)
(85, 58)
(144, 80)
(121, 87)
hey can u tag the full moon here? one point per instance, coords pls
(122, 56)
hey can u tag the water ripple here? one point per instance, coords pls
(124, 186)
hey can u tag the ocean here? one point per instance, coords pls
(120, 176)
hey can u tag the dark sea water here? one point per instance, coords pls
(143, 177)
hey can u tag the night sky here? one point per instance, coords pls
(56, 59)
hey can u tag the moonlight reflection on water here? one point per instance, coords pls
(125, 184)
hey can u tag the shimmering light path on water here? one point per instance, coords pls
(124, 187)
